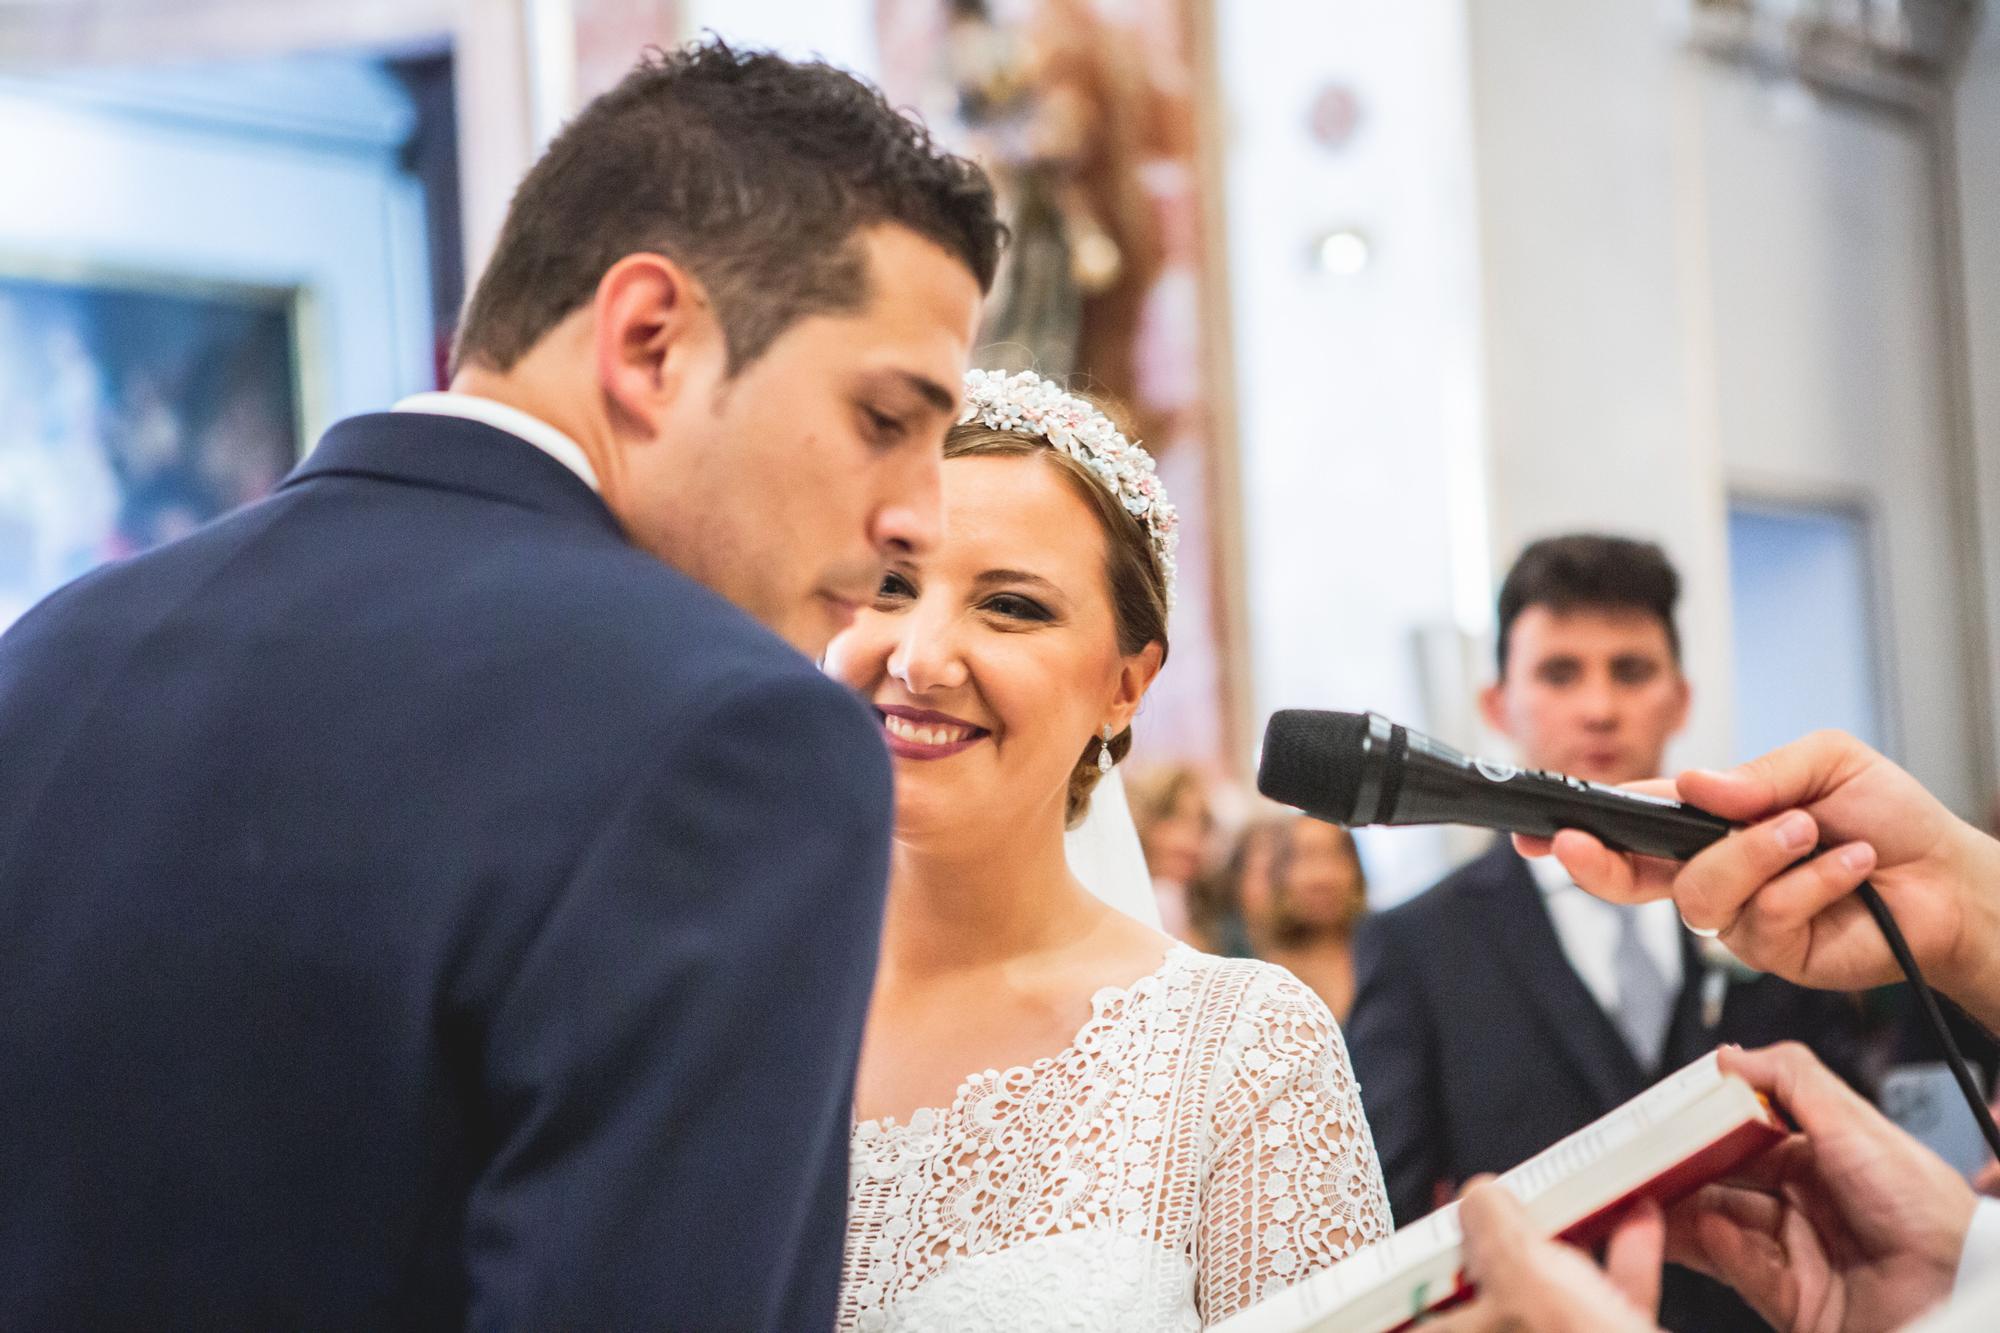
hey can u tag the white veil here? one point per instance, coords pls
(1104, 853)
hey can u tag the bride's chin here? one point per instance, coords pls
(938, 816)
(921, 814)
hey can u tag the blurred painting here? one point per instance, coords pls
(1085, 113)
(131, 414)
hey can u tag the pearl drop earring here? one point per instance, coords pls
(1104, 759)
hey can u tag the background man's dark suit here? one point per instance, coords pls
(418, 907)
(1477, 1045)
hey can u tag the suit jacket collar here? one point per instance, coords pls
(455, 454)
(1519, 925)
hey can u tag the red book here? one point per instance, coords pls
(1695, 1126)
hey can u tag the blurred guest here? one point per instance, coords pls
(1318, 895)
(1505, 1007)
(1176, 829)
(1221, 904)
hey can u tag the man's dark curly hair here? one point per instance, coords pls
(1588, 572)
(752, 171)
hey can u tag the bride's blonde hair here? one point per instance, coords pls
(1137, 581)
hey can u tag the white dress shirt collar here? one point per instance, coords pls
(1587, 928)
(1550, 877)
(510, 419)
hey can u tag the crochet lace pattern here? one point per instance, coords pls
(1197, 1146)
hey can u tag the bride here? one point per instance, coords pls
(1063, 1118)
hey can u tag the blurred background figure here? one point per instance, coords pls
(1291, 891)
(1223, 904)
(1316, 898)
(1170, 806)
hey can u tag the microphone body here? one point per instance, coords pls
(1357, 769)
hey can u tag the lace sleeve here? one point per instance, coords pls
(1293, 1186)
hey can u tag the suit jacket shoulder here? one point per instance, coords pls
(1442, 906)
(449, 885)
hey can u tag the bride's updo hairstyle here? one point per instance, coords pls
(1024, 415)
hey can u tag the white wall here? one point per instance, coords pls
(1977, 135)
(101, 178)
(1697, 279)
(1833, 373)
(1597, 401)
(1358, 397)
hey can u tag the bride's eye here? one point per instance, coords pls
(1014, 606)
(894, 588)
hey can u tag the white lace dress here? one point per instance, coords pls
(1199, 1144)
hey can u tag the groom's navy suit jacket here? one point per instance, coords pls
(420, 908)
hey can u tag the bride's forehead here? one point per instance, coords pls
(994, 503)
(1024, 486)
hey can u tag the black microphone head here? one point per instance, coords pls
(1312, 761)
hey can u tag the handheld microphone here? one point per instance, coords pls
(1355, 769)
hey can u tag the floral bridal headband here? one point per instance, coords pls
(1031, 405)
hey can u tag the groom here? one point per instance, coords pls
(445, 893)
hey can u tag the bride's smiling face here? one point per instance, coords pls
(993, 659)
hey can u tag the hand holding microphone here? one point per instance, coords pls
(1800, 919)
(1816, 921)
(1856, 1226)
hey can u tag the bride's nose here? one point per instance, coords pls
(927, 655)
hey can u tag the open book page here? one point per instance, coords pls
(1691, 1127)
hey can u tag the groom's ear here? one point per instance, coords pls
(655, 326)
(1135, 677)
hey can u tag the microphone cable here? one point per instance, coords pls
(1982, 1115)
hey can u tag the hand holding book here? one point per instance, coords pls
(1527, 1282)
(1849, 1224)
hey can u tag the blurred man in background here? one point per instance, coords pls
(1505, 1007)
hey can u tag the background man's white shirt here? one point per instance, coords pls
(1588, 930)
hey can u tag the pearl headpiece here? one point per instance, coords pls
(1031, 405)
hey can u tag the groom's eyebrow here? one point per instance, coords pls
(929, 390)
(936, 396)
